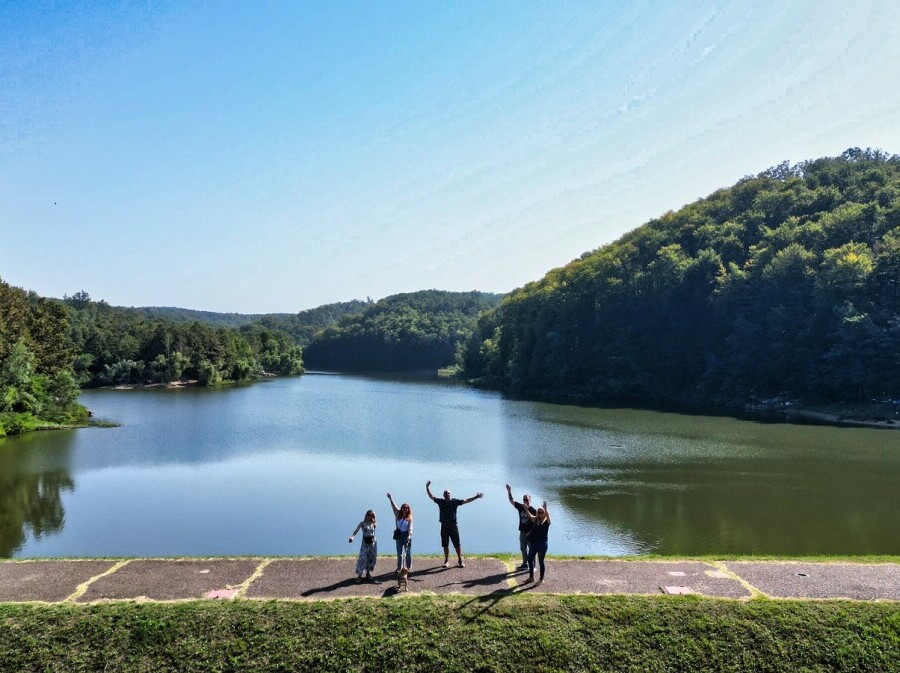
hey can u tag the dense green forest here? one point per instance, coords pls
(37, 385)
(213, 318)
(419, 330)
(786, 284)
(303, 326)
(119, 346)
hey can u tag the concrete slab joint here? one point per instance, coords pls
(91, 580)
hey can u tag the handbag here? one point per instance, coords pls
(397, 533)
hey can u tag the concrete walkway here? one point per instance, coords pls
(90, 580)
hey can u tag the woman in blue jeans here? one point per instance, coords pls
(537, 540)
(403, 533)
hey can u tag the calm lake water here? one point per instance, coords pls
(289, 466)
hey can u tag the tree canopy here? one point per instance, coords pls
(413, 331)
(786, 283)
(37, 386)
(119, 346)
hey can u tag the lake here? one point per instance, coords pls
(289, 466)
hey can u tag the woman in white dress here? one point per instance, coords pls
(368, 548)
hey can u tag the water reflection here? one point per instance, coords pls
(32, 481)
(698, 485)
(257, 469)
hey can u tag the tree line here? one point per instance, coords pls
(411, 331)
(120, 346)
(787, 283)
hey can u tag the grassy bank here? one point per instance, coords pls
(429, 633)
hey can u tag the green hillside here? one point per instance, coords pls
(787, 283)
(304, 325)
(419, 330)
(212, 318)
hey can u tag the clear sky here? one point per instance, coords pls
(275, 156)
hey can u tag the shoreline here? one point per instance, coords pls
(135, 386)
(874, 415)
(504, 556)
(830, 418)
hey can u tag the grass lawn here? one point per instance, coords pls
(440, 633)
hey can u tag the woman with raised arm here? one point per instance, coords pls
(537, 540)
(403, 532)
(368, 548)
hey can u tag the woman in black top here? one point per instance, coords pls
(537, 541)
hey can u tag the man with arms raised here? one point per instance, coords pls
(449, 530)
(524, 522)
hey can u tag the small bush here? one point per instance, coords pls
(15, 424)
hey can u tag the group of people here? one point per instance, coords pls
(533, 527)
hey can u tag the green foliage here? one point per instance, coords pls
(786, 283)
(37, 386)
(211, 318)
(420, 330)
(457, 634)
(304, 325)
(275, 349)
(120, 346)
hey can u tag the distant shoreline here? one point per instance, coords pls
(831, 418)
(875, 415)
(133, 386)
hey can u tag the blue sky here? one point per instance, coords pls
(258, 157)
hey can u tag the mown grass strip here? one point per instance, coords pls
(497, 632)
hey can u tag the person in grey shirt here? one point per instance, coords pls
(447, 517)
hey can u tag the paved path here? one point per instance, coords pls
(91, 580)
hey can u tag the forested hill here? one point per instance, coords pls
(304, 325)
(122, 346)
(179, 315)
(419, 330)
(301, 326)
(786, 283)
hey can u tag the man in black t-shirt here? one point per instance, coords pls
(524, 523)
(449, 529)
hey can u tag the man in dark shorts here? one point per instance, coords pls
(524, 523)
(449, 530)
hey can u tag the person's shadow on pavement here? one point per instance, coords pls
(347, 583)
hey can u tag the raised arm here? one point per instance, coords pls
(512, 501)
(474, 497)
(394, 506)
(428, 489)
(546, 511)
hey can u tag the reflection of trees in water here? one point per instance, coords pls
(30, 500)
(748, 509)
